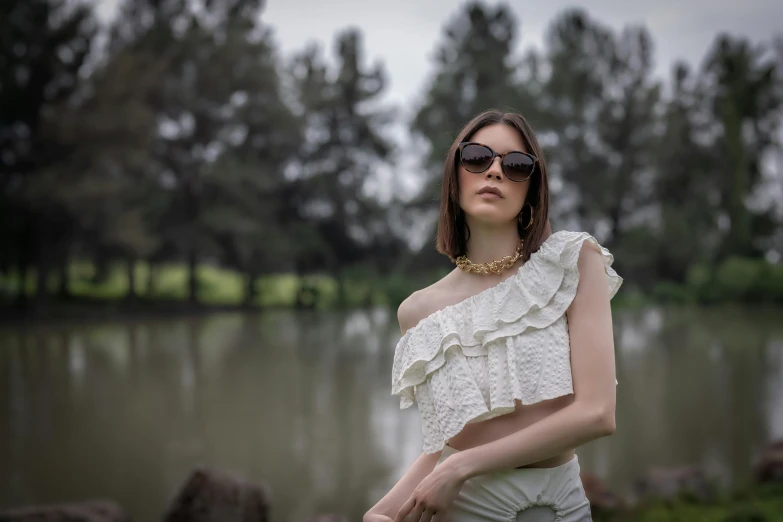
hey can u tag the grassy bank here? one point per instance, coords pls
(217, 287)
(734, 281)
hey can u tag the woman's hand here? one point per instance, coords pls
(433, 496)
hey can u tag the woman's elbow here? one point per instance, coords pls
(604, 421)
(598, 420)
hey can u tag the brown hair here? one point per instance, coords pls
(453, 231)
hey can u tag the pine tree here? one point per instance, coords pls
(474, 71)
(684, 187)
(43, 45)
(744, 100)
(345, 143)
(226, 133)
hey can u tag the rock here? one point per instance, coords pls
(212, 496)
(598, 493)
(669, 483)
(770, 465)
(87, 511)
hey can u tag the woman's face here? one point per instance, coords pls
(487, 208)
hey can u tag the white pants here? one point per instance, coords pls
(521, 495)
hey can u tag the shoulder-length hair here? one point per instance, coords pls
(453, 232)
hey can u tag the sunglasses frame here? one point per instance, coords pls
(495, 155)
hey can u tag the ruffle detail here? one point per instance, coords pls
(531, 300)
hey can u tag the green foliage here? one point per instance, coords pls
(745, 94)
(746, 514)
(115, 286)
(770, 283)
(344, 143)
(758, 503)
(734, 280)
(669, 292)
(192, 139)
(398, 286)
(739, 279)
(603, 115)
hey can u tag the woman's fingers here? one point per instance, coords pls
(402, 514)
(415, 514)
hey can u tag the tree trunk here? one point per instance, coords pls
(42, 269)
(250, 289)
(22, 270)
(192, 277)
(615, 213)
(131, 268)
(307, 294)
(341, 297)
(41, 288)
(737, 241)
(149, 284)
(101, 262)
(65, 284)
(64, 280)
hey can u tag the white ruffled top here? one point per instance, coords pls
(469, 361)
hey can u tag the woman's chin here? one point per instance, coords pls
(488, 217)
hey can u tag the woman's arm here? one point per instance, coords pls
(390, 504)
(410, 311)
(591, 414)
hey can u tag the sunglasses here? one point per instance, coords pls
(477, 158)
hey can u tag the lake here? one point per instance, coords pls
(301, 401)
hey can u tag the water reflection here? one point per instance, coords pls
(775, 389)
(693, 389)
(301, 402)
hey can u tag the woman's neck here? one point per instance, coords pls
(491, 243)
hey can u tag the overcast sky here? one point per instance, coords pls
(404, 33)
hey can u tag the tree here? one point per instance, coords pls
(684, 187)
(43, 45)
(344, 145)
(474, 71)
(579, 54)
(224, 133)
(106, 182)
(740, 80)
(627, 125)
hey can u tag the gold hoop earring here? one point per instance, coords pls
(530, 223)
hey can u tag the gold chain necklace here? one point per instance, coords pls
(492, 267)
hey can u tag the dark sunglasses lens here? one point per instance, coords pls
(518, 166)
(476, 158)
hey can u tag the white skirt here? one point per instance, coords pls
(521, 495)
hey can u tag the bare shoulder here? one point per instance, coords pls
(590, 258)
(421, 303)
(592, 286)
(410, 311)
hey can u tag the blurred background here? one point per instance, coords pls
(209, 211)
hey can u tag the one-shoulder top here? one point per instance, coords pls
(469, 361)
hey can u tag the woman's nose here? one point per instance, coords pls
(495, 169)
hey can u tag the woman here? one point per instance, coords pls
(509, 357)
